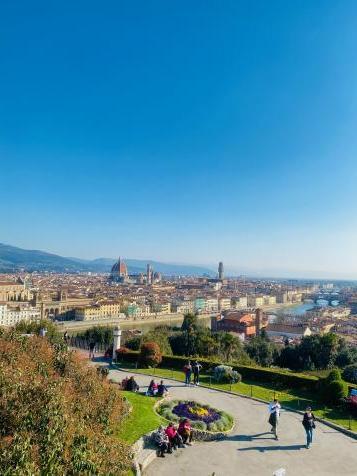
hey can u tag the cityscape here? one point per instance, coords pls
(289, 308)
(178, 258)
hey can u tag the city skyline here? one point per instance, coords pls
(182, 133)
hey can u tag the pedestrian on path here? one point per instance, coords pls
(309, 425)
(196, 372)
(91, 349)
(187, 371)
(274, 415)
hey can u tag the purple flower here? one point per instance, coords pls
(182, 410)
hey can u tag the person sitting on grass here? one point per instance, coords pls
(162, 441)
(124, 383)
(131, 385)
(185, 431)
(162, 390)
(152, 389)
(174, 438)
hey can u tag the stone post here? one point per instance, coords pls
(116, 340)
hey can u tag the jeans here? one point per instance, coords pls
(196, 377)
(188, 378)
(309, 433)
(162, 447)
(186, 436)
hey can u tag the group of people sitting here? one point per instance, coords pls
(171, 438)
(130, 384)
(154, 389)
(157, 390)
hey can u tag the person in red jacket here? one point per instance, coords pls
(185, 431)
(174, 438)
(152, 389)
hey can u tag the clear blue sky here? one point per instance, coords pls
(182, 131)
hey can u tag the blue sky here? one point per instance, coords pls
(182, 131)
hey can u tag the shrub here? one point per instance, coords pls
(150, 354)
(276, 376)
(121, 352)
(225, 373)
(57, 416)
(199, 425)
(336, 391)
(350, 373)
(335, 374)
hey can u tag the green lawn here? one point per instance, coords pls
(141, 419)
(289, 398)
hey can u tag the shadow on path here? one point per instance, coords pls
(273, 448)
(258, 436)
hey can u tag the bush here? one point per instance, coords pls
(57, 416)
(225, 373)
(334, 375)
(336, 391)
(150, 354)
(120, 353)
(276, 376)
(199, 425)
(350, 373)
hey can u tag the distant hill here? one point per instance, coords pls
(15, 259)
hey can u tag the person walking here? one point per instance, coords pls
(309, 425)
(196, 372)
(187, 371)
(91, 349)
(274, 415)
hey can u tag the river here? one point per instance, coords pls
(301, 308)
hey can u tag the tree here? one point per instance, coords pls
(57, 416)
(160, 335)
(102, 335)
(261, 350)
(32, 327)
(189, 329)
(350, 373)
(150, 354)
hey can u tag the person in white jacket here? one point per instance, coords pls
(274, 415)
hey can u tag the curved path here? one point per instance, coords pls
(250, 449)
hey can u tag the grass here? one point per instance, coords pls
(141, 419)
(289, 398)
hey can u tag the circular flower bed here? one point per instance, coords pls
(202, 417)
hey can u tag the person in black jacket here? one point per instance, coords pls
(309, 425)
(131, 385)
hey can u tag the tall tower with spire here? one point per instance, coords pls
(220, 270)
(149, 274)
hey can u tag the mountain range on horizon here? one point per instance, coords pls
(14, 259)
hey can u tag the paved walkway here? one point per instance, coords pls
(250, 449)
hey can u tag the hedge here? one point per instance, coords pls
(260, 374)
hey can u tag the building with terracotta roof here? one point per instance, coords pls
(244, 323)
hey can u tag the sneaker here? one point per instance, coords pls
(189, 444)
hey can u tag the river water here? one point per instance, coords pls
(300, 309)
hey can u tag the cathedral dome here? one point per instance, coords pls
(119, 268)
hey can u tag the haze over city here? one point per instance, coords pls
(180, 132)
